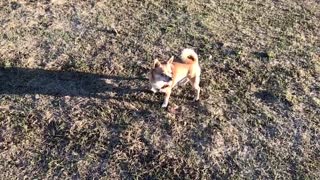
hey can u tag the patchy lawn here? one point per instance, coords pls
(74, 99)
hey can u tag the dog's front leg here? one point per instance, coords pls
(166, 99)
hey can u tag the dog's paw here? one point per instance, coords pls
(164, 105)
(153, 90)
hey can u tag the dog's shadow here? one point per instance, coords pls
(21, 81)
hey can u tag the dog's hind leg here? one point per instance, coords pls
(195, 81)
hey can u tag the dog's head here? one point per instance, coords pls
(162, 71)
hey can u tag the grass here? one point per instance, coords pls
(74, 100)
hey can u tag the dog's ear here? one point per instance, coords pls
(156, 63)
(170, 60)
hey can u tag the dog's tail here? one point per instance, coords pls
(189, 56)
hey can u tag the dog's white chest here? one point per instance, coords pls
(159, 84)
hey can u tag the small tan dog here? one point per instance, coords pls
(164, 76)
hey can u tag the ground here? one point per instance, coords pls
(75, 100)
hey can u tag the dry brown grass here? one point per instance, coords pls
(74, 100)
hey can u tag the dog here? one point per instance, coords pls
(164, 76)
